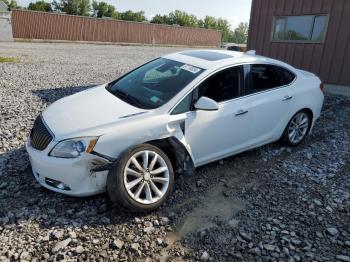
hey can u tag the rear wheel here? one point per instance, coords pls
(297, 129)
(142, 179)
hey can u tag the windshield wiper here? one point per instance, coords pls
(127, 98)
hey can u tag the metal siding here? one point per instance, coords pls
(317, 6)
(298, 55)
(330, 60)
(50, 26)
(288, 7)
(340, 45)
(307, 6)
(345, 73)
(331, 39)
(280, 8)
(263, 11)
(254, 24)
(268, 25)
(307, 56)
(298, 6)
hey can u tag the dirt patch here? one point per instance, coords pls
(212, 208)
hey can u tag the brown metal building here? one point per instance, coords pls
(313, 35)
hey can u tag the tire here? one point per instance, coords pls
(123, 182)
(288, 138)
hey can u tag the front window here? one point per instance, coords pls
(305, 28)
(154, 84)
(222, 86)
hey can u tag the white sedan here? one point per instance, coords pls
(181, 111)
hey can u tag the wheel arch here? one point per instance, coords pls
(178, 154)
(309, 111)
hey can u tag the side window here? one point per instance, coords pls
(184, 106)
(265, 77)
(223, 86)
(287, 75)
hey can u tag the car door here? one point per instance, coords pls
(272, 95)
(212, 135)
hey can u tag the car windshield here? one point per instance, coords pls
(154, 84)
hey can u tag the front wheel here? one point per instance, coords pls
(297, 129)
(142, 179)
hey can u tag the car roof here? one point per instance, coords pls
(211, 58)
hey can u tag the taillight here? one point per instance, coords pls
(322, 86)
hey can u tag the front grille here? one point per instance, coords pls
(40, 136)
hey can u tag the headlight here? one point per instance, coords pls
(73, 148)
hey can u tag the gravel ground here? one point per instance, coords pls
(271, 204)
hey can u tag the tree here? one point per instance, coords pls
(40, 6)
(240, 34)
(133, 16)
(160, 19)
(224, 26)
(210, 22)
(194, 21)
(177, 18)
(102, 9)
(73, 7)
(11, 4)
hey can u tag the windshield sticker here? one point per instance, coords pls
(154, 99)
(189, 68)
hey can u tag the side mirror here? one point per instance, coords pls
(207, 104)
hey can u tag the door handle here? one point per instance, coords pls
(287, 97)
(241, 112)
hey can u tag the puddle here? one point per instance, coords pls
(214, 206)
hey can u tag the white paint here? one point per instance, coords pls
(236, 126)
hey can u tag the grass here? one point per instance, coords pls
(4, 59)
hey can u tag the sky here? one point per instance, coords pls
(235, 11)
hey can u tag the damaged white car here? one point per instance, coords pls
(177, 112)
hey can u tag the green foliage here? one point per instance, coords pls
(102, 9)
(11, 4)
(133, 16)
(184, 19)
(240, 34)
(224, 26)
(4, 59)
(73, 7)
(160, 19)
(40, 6)
(210, 22)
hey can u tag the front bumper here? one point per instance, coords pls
(68, 176)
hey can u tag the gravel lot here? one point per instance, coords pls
(270, 204)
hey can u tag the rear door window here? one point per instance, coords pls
(263, 77)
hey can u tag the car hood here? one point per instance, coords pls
(87, 110)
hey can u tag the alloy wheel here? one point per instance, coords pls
(298, 127)
(146, 177)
